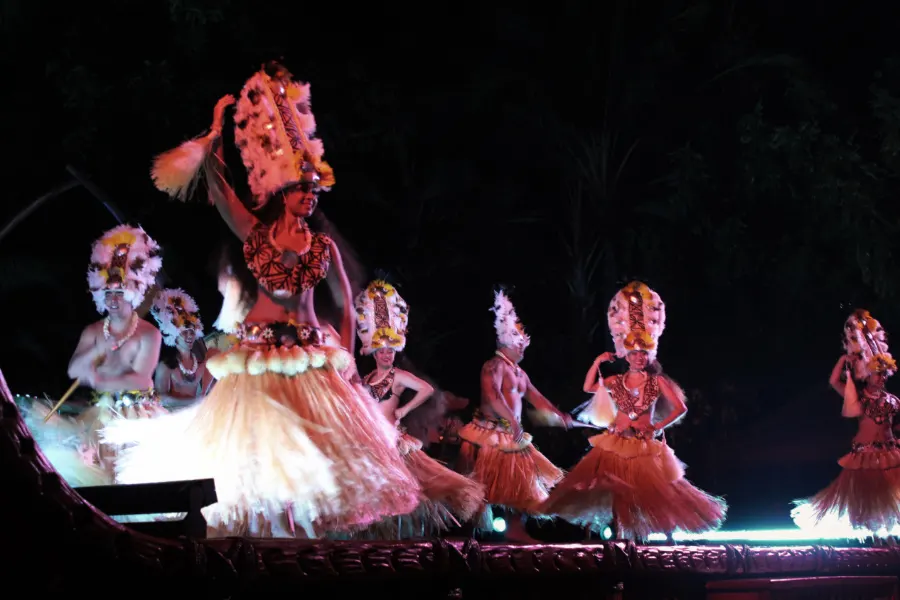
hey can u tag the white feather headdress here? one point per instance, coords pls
(125, 258)
(275, 131)
(381, 318)
(637, 319)
(174, 312)
(866, 340)
(510, 331)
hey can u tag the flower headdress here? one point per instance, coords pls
(275, 131)
(866, 340)
(510, 331)
(382, 317)
(175, 312)
(125, 259)
(637, 319)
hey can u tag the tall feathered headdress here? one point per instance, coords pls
(866, 340)
(175, 312)
(126, 259)
(510, 331)
(637, 319)
(275, 131)
(381, 318)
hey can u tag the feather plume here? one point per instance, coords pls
(510, 331)
(178, 171)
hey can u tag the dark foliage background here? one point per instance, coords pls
(740, 157)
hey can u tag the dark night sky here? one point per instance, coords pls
(459, 137)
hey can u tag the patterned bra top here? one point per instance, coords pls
(631, 401)
(880, 408)
(283, 272)
(384, 389)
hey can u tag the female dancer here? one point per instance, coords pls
(181, 377)
(289, 442)
(866, 495)
(449, 498)
(630, 478)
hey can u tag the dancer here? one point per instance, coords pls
(117, 355)
(181, 376)
(866, 495)
(449, 498)
(495, 449)
(630, 478)
(290, 444)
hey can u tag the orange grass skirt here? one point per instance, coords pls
(865, 496)
(449, 498)
(303, 450)
(637, 485)
(515, 475)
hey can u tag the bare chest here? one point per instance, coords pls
(515, 383)
(121, 360)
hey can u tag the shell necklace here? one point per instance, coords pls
(189, 373)
(130, 332)
(508, 361)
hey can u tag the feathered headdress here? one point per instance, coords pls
(637, 318)
(381, 318)
(126, 259)
(866, 340)
(175, 312)
(510, 331)
(275, 131)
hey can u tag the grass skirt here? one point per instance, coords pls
(62, 441)
(106, 408)
(637, 485)
(449, 498)
(285, 449)
(515, 475)
(865, 496)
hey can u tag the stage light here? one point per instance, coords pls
(499, 524)
(775, 536)
(607, 533)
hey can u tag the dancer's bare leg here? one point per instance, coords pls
(516, 531)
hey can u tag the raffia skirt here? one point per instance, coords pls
(287, 440)
(448, 498)
(636, 484)
(62, 441)
(865, 496)
(515, 475)
(106, 408)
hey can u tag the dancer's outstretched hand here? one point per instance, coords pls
(219, 111)
(605, 357)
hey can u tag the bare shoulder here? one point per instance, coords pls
(146, 331)
(92, 331)
(494, 366)
(163, 369)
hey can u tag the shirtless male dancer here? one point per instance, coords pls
(117, 355)
(495, 449)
